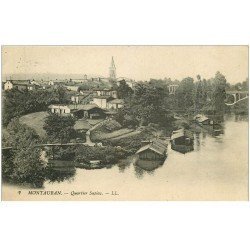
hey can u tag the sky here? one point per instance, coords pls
(135, 62)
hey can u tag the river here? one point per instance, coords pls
(217, 169)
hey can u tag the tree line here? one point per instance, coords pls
(20, 102)
(151, 102)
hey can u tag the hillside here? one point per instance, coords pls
(35, 121)
(241, 107)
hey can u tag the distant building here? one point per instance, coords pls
(72, 88)
(20, 85)
(172, 89)
(106, 92)
(45, 85)
(78, 98)
(87, 111)
(202, 120)
(182, 140)
(115, 104)
(112, 70)
(154, 150)
(102, 101)
(51, 83)
(61, 108)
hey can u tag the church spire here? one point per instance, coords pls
(112, 70)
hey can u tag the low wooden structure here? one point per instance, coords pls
(182, 141)
(202, 120)
(154, 150)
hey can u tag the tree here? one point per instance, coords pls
(60, 127)
(22, 163)
(62, 96)
(219, 93)
(17, 103)
(123, 90)
(185, 94)
(199, 95)
(27, 166)
(147, 105)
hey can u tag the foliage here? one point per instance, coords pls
(22, 164)
(123, 90)
(27, 166)
(59, 128)
(20, 135)
(147, 104)
(17, 103)
(66, 154)
(219, 93)
(107, 154)
(185, 94)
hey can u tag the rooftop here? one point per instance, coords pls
(20, 82)
(74, 106)
(201, 118)
(83, 106)
(117, 101)
(102, 97)
(182, 132)
(157, 145)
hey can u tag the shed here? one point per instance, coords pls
(182, 141)
(202, 120)
(91, 111)
(155, 150)
(182, 137)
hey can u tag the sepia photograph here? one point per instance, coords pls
(128, 123)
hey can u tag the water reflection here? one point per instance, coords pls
(241, 118)
(149, 165)
(60, 174)
(125, 163)
(183, 149)
(140, 172)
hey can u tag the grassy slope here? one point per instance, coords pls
(100, 135)
(241, 107)
(35, 121)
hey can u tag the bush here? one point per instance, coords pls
(107, 154)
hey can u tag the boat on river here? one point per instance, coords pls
(182, 141)
(208, 124)
(152, 155)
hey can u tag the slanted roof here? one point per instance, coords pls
(157, 146)
(83, 106)
(72, 86)
(160, 142)
(117, 101)
(201, 118)
(102, 97)
(182, 132)
(21, 82)
(112, 125)
(80, 96)
(89, 106)
(198, 116)
(59, 106)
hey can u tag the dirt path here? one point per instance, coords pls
(88, 139)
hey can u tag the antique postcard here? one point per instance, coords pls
(165, 123)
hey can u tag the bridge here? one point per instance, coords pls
(235, 96)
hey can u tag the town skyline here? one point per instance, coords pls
(138, 63)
